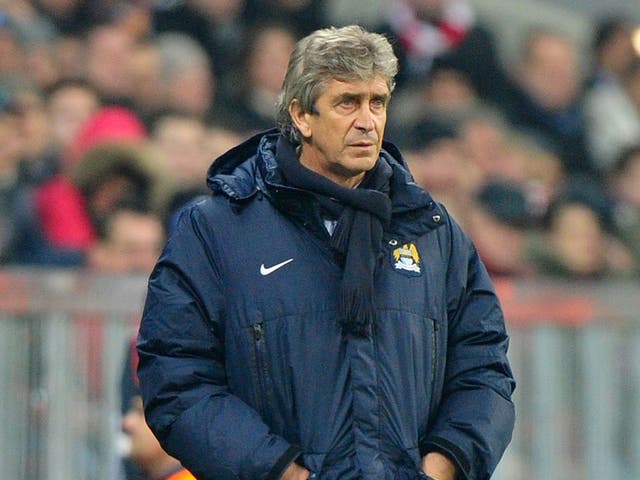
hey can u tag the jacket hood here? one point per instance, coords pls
(243, 170)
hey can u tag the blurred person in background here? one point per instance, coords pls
(499, 222)
(148, 98)
(613, 116)
(12, 148)
(266, 57)
(111, 173)
(70, 17)
(217, 140)
(577, 241)
(63, 220)
(187, 81)
(130, 240)
(545, 97)
(11, 56)
(141, 447)
(623, 181)
(219, 28)
(37, 164)
(303, 16)
(439, 164)
(612, 50)
(446, 96)
(69, 55)
(504, 154)
(424, 30)
(179, 142)
(483, 135)
(70, 103)
(108, 63)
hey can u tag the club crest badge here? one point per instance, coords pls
(407, 259)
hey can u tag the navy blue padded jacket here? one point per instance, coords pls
(243, 365)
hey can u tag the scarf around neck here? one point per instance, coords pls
(362, 214)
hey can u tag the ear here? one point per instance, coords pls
(300, 118)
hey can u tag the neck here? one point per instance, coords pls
(338, 175)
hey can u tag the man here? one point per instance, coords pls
(320, 316)
(129, 242)
(142, 446)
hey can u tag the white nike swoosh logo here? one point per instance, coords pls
(268, 270)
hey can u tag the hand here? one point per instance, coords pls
(438, 467)
(295, 472)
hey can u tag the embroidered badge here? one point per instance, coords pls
(407, 258)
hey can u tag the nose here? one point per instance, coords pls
(364, 120)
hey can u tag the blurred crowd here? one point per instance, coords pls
(111, 111)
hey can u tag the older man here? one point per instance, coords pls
(320, 316)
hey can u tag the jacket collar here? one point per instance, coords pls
(252, 166)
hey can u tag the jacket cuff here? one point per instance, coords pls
(283, 462)
(451, 451)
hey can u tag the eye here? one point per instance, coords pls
(378, 104)
(347, 102)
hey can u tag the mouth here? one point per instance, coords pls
(362, 144)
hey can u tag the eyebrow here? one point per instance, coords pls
(356, 96)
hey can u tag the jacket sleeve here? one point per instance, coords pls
(476, 416)
(188, 404)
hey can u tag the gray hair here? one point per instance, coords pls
(346, 54)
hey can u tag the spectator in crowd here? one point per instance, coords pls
(501, 153)
(613, 116)
(109, 51)
(219, 28)
(36, 163)
(446, 96)
(11, 57)
(130, 240)
(179, 141)
(111, 173)
(71, 17)
(70, 103)
(30, 24)
(303, 16)
(12, 147)
(544, 99)
(266, 60)
(612, 50)
(142, 447)
(187, 82)
(499, 222)
(484, 135)
(577, 241)
(439, 164)
(425, 30)
(624, 185)
(62, 224)
(539, 171)
(70, 55)
(148, 99)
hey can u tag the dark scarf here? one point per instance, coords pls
(362, 214)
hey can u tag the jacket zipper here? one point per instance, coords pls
(434, 367)
(261, 365)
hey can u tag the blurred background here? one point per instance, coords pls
(522, 117)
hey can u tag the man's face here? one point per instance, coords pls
(342, 138)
